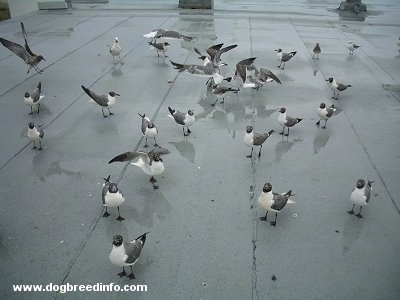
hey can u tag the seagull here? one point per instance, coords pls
(30, 58)
(185, 120)
(286, 121)
(240, 77)
(214, 53)
(337, 87)
(255, 139)
(325, 113)
(273, 202)
(111, 197)
(261, 77)
(150, 162)
(398, 44)
(351, 46)
(107, 101)
(284, 57)
(126, 254)
(208, 70)
(33, 100)
(316, 51)
(148, 129)
(35, 135)
(115, 49)
(360, 196)
(222, 92)
(160, 47)
(167, 34)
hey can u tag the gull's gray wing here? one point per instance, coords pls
(241, 67)
(133, 250)
(128, 156)
(291, 121)
(280, 200)
(213, 50)
(266, 73)
(26, 40)
(101, 100)
(16, 49)
(218, 54)
(36, 93)
(259, 138)
(341, 86)
(179, 117)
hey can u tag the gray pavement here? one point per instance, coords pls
(205, 240)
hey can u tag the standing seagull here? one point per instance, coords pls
(360, 196)
(33, 100)
(351, 46)
(286, 121)
(273, 202)
(160, 47)
(35, 135)
(126, 254)
(150, 163)
(255, 139)
(107, 101)
(148, 130)
(337, 87)
(284, 57)
(111, 197)
(183, 119)
(222, 92)
(26, 53)
(316, 51)
(325, 113)
(115, 50)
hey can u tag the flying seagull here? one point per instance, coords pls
(35, 135)
(337, 87)
(316, 51)
(126, 254)
(115, 50)
(261, 77)
(351, 46)
(222, 92)
(214, 54)
(33, 100)
(208, 70)
(30, 58)
(284, 57)
(286, 121)
(325, 113)
(255, 139)
(150, 162)
(160, 47)
(111, 197)
(167, 34)
(273, 202)
(360, 196)
(183, 119)
(148, 129)
(107, 101)
(240, 77)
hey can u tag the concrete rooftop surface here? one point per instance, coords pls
(205, 238)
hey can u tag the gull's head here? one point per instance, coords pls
(267, 187)
(282, 110)
(26, 95)
(112, 188)
(249, 129)
(117, 240)
(190, 112)
(31, 125)
(322, 105)
(360, 183)
(116, 39)
(113, 94)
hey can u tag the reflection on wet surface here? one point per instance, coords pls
(320, 140)
(284, 146)
(153, 205)
(351, 232)
(185, 149)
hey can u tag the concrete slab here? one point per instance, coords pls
(206, 240)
